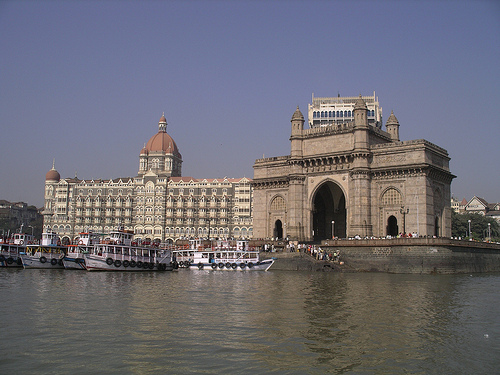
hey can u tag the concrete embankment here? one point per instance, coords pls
(302, 262)
(403, 255)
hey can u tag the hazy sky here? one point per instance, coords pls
(85, 82)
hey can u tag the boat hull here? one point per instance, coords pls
(262, 265)
(44, 261)
(98, 263)
(74, 263)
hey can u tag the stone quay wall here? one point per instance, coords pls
(402, 255)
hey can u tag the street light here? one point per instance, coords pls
(470, 235)
(404, 211)
(333, 229)
(489, 231)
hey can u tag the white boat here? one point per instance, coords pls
(117, 253)
(221, 257)
(75, 255)
(12, 247)
(48, 254)
(10, 255)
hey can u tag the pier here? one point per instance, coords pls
(399, 255)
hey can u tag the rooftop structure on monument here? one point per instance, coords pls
(340, 110)
(351, 178)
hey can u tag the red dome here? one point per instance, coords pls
(52, 175)
(161, 141)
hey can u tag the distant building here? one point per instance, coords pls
(457, 205)
(477, 205)
(17, 214)
(340, 110)
(346, 177)
(158, 204)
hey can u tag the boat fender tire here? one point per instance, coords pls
(151, 266)
(109, 261)
(242, 266)
(221, 265)
(43, 260)
(139, 264)
(228, 265)
(187, 264)
(200, 266)
(214, 266)
(118, 263)
(53, 261)
(126, 263)
(2, 258)
(132, 263)
(234, 266)
(145, 265)
(250, 265)
(10, 260)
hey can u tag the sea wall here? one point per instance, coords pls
(403, 255)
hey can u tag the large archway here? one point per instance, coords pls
(329, 212)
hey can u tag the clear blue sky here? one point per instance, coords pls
(85, 82)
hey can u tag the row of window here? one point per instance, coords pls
(326, 114)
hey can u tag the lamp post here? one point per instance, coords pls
(470, 235)
(404, 211)
(333, 229)
(489, 231)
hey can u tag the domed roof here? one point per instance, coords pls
(53, 175)
(144, 150)
(297, 115)
(161, 141)
(360, 103)
(392, 120)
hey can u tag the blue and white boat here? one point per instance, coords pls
(222, 257)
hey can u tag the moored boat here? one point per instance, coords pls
(11, 248)
(48, 254)
(74, 258)
(10, 255)
(117, 253)
(221, 257)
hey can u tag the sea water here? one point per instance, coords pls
(275, 322)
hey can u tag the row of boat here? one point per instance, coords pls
(119, 253)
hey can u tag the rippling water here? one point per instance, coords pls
(75, 322)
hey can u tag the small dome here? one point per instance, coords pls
(297, 115)
(162, 118)
(392, 120)
(360, 103)
(52, 175)
(144, 150)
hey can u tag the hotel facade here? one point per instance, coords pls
(158, 204)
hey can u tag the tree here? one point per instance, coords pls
(478, 226)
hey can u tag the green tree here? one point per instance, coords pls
(478, 226)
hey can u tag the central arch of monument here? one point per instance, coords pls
(328, 213)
